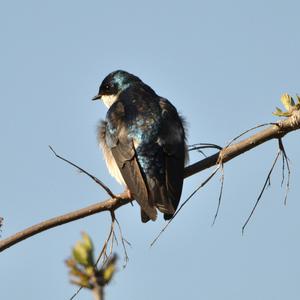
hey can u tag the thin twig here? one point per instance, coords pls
(103, 251)
(115, 238)
(185, 202)
(261, 192)
(247, 131)
(98, 181)
(285, 160)
(110, 240)
(200, 151)
(123, 241)
(282, 171)
(220, 194)
(204, 146)
(199, 146)
(76, 293)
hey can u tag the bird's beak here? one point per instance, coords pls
(97, 97)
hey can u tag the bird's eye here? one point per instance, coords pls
(107, 87)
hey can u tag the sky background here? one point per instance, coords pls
(224, 65)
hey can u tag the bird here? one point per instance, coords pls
(143, 139)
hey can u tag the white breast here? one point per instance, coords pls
(111, 164)
(108, 100)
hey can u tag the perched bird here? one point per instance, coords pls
(144, 143)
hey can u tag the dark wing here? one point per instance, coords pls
(123, 151)
(172, 139)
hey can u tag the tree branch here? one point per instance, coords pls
(229, 152)
(276, 131)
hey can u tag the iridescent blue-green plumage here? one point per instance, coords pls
(145, 136)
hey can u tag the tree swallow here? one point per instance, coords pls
(143, 141)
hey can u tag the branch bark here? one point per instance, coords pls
(98, 292)
(276, 131)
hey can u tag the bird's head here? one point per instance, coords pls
(113, 84)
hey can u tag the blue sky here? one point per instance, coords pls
(224, 65)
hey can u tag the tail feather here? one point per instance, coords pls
(144, 217)
(159, 196)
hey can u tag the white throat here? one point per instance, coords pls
(109, 100)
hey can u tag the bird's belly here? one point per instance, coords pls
(111, 164)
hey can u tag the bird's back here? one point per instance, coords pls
(144, 127)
